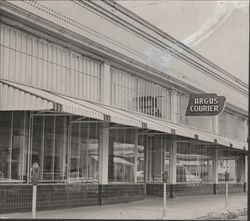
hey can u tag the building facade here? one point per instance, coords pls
(85, 93)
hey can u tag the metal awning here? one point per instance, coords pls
(116, 115)
(20, 97)
(15, 96)
(162, 125)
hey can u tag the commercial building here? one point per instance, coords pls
(85, 91)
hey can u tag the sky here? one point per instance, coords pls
(218, 30)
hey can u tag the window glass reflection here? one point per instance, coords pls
(49, 146)
(140, 159)
(194, 162)
(158, 158)
(84, 152)
(233, 162)
(126, 159)
(13, 145)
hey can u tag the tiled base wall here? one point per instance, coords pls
(118, 193)
(156, 189)
(18, 198)
(191, 189)
(232, 188)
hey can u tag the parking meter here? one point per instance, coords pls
(35, 173)
(34, 179)
(226, 176)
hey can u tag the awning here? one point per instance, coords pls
(15, 96)
(116, 115)
(20, 97)
(165, 126)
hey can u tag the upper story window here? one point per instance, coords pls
(136, 94)
(231, 126)
(35, 62)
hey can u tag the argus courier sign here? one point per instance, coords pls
(205, 105)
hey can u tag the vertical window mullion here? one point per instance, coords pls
(79, 151)
(42, 149)
(11, 146)
(137, 94)
(87, 153)
(136, 155)
(9, 56)
(69, 150)
(64, 148)
(53, 149)
(30, 148)
(26, 61)
(15, 55)
(23, 147)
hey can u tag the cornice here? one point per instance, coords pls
(184, 56)
(163, 34)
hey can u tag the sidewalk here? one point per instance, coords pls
(186, 207)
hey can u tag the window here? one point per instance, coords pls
(140, 159)
(126, 158)
(194, 162)
(36, 62)
(13, 145)
(133, 93)
(84, 152)
(49, 146)
(182, 107)
(231, 125)
(59, 159)
(158, 158)
(233, 162)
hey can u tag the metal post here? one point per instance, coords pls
(164, 200)
(35, 180)
(226, 195)
(227, 179)
(34, 201)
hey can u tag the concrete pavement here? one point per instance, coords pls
(186, 207)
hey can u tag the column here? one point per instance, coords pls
(103, 154)
(215, 167)
(136, 155)
(244, 171)
(106, 84)
(174, 106)
(172, 160)
(145, 164)
(172, 163)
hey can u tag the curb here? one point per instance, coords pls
(226, 215)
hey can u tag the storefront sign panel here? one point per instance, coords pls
(205, 105)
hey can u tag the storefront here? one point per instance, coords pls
(102, 130)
